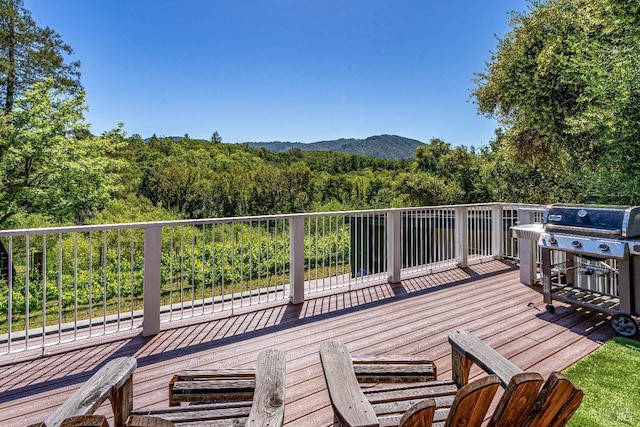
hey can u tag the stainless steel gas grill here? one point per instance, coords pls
(593, 253)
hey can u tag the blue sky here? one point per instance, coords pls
(283, 70)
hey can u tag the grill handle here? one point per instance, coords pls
(583, 230)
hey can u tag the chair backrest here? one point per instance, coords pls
(268, 398)
(517, 399)
(419, 414)
(557, 402)
(350, 405)
(472, 402)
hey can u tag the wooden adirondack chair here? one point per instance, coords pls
(230, 396)
(402, 398)
(523, 402)
(224, 397)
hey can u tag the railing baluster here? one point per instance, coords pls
(10, 296)
(250, 261)
(193, 270)
(213, 268)
(260, 225)
(222, 264)
(283, 258)
(233, 267)
(132, 276)
(60, 287)
(90, 283)
(26, 292)
(75, 286)
(202, 265)
(171, 256)
(43, 278)
(119, 279)
(182, 272)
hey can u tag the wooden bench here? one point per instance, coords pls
(448, 402)
(114, 381)
(223, 397)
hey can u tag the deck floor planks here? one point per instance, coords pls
(411, 318)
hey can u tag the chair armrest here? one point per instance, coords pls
(267, 408)
(350, 405)
(467, 349)
(113, 381)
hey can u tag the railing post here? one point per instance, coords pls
(152, 280)
(527, 250)
(462, 236)
(394, 246)
(296, 260)
(497, 231)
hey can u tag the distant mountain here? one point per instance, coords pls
(380, 146)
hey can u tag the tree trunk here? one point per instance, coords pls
(11, 68)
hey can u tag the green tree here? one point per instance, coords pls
(425, 189)
(564, 85)
(30, 54)
(48, 164)
(216, 138)
(429, 158)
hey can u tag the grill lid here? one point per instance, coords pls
(607, 221)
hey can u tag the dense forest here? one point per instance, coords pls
(563, 84)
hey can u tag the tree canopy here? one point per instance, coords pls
(565, 86)
(30, 54)
(48, 163)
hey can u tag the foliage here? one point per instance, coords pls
(131, 209)
(610, 381)
(564, 84)
(48, 164)
(199, 179)
(31, 54)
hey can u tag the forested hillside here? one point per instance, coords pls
(379, 146)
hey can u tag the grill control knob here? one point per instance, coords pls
(604, 247)
(576, 244)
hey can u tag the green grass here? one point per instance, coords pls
(610, 379)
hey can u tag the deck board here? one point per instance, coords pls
(413, 317)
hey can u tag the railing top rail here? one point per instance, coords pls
(177, 223)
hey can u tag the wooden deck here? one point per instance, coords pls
(410, 318)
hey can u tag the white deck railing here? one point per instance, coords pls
(65, 284)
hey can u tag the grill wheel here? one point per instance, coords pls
(624, 325)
